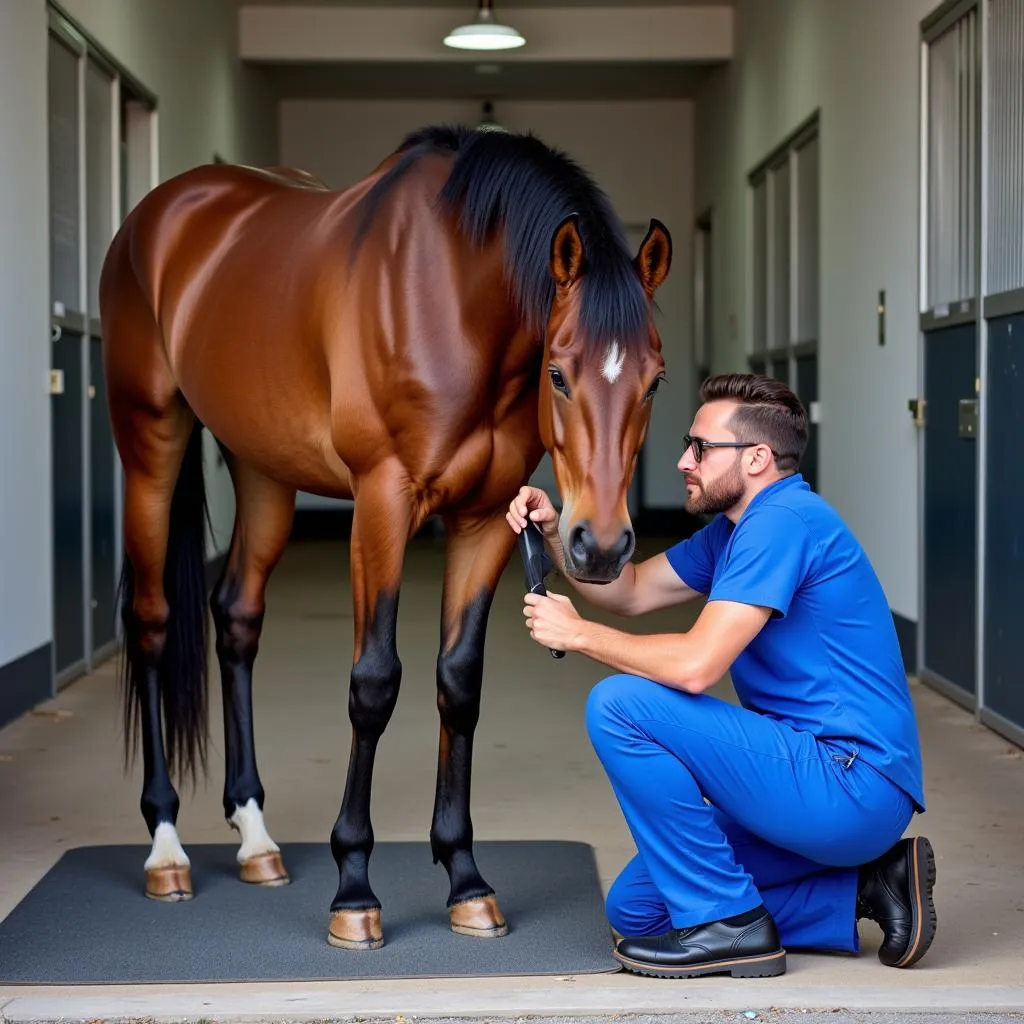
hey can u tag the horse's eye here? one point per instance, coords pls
(653, 388)
(558, 381)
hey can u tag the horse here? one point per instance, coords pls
(413, 342)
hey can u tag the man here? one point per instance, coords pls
(775, 824)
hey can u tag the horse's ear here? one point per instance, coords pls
(567, 252)
(654, 256)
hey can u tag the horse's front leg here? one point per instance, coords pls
(478, 551)
(381, 526)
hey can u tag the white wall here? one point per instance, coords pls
(25, 552)
(639, 152)
(857, 64)
(185, 53)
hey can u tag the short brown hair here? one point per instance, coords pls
(768, 413)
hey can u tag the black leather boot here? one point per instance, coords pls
(750, 949)
(896, 892)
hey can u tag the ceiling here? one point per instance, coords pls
(499, 5)
(489, 77)
(525, 81)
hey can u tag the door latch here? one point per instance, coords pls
(916, 407)
(967, 417)
(56, 382)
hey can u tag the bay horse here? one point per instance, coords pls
(413, 342)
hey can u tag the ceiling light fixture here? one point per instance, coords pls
(487, 122)
(485, 33)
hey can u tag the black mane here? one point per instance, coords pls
(528, 188)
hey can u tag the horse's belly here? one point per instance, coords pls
(272, 421)
(301, 459)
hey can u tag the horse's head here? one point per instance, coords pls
(598, 383)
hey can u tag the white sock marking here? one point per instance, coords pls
(613, 362)
(255, 838)
(167, 851)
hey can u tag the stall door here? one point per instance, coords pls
(101, 149)
(1002, 693)
(67, 359)
(950, 509)
(100, 141)
(949, 352)
(1004, 527)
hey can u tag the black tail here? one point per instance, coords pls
(182, 670)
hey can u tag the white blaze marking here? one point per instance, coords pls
(613, 363)
(255, 838)
(167, 851)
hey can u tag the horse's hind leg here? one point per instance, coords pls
(478, 551)
(263, 519)
(381, 526)
(164, 629)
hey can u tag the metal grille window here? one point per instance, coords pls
(1005, 245)
(952, 162)
(807, 221)
(785, 250)
(780, 229)
(784, 206)
(65, 215)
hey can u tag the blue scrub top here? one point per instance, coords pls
(828, 660)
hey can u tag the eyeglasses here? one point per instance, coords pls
(699, 444)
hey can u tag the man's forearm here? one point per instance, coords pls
(668, 658)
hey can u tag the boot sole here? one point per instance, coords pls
(769, 965)
(924, 920)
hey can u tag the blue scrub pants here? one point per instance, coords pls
(786, 822)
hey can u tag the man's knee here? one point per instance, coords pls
(611, 706)
(632, 914)
(616, 910)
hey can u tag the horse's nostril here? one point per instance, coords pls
(584, 547)
(624, 544)
(580, 542)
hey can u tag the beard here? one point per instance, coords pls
(717, 496)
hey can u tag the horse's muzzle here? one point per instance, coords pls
(590, 562)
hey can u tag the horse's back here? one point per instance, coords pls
(221, 263)
(312, 360)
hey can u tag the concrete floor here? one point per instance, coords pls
(535, 776)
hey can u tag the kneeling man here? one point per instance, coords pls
(774, 824)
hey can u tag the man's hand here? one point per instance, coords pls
(533, 502)
(552, 621)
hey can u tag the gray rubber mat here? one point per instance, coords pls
(88, 922)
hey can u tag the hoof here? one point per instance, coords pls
(264, 869)
(480, 918)
(356, 929)
(169, 885)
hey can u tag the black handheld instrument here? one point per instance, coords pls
(536, 563)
